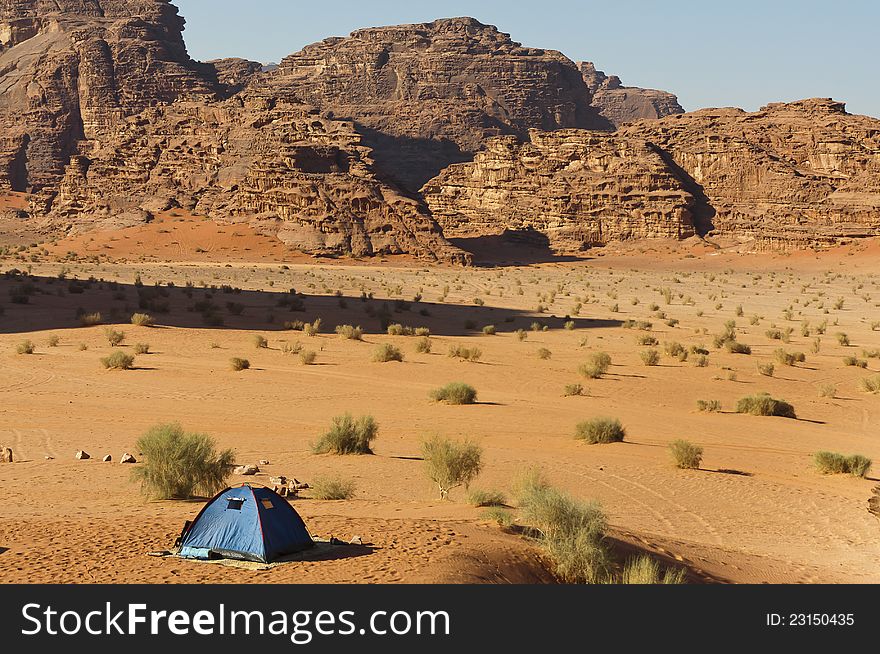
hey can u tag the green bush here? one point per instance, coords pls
(180, 464)
(118, 360)
(114, 337)
(423, 345)
(600, 430)
(238, 364)
(829, 463)
(597, 364)
(259, 341)
(766, 369)
(650, 357)
(387, 352)
(142, 348)
(25, 347)
(399, 330)
(455, 393)
(646, 339)
(307, 357)
(870, 384)
(53, 341)
(489, 330)
(735, 347)
(842, 339)
(501, 516)
(465, 353)
(854, 361)
(709, 406)
(521, 334)
(674, 349)
(481, 498)
(332, 488)
(451, 464)
(572, 390)
(348, 436)
(764, 405)
(142, 320)
(645, 570)
(90, 319)
(686, 455)
(788, 358)
(350, 332)
(544, 353)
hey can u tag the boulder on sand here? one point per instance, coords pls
(5, 454)
(127, 458)
(82, 455)
(246, 470)
(107, 459)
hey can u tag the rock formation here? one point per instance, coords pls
(577, 188)
(430, 94)
(625, 104)
(790, 175)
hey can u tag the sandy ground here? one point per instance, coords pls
(756, 511)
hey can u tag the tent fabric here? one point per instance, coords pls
(252, 523)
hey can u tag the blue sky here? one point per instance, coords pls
(742, 53)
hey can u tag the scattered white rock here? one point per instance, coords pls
(6, 455)
(49, 458)
(82, 455)
(263, 462)
(107, 459)
(127, 458)
(278, 481)
(246, 470)
(356, 540)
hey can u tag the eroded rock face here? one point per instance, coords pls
(578, 188)
(430, 94)
(790, 175)
(625, 104)
(106, 120)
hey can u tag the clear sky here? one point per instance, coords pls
(711, 53)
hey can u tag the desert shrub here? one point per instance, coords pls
(387, 352)
(90, 319)
(501, 516)
(827, 390)
(332, 488)
(307, 357)
(788, 358)
(114, 337)
(596, 365)
(259, 341)
(465, 353)
(489, 330)
(399, 330)
(180, 464)
(686, 455)
(701, 361)
(53, 341)
(674, 349)
(455, 393)
(521, 334)
(142, 320)
(842, 339)
(544, 353)
(573, 389)
(83, 347)
(735, 347)
(571, 532)
(570, 325)
(855, 361)
(422, 331)
(764, 405)
(870, 384)
(291, 348)
(600, 430)
(142, 348)
(350, 332)
(312, 329)
(650, 357)
(766, 369)
(481, 498)
(451, 464)
(709, 406)
(118, 360)
(348, 436)
(423, 345)
(645, 570)
(238, 364)
(646, 339)
(830, 463)
(25, 347)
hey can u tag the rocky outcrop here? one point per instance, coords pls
(105, 120)
(576, 188)
(790, 175)
(625, 104)
(430, 94)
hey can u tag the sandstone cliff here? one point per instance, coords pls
(430, 94)
(790, 175)
(625, 104)
(578, 188)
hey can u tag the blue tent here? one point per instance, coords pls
(252, 523)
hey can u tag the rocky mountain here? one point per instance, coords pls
(393, 139)
(625, 104)
(430, 94)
